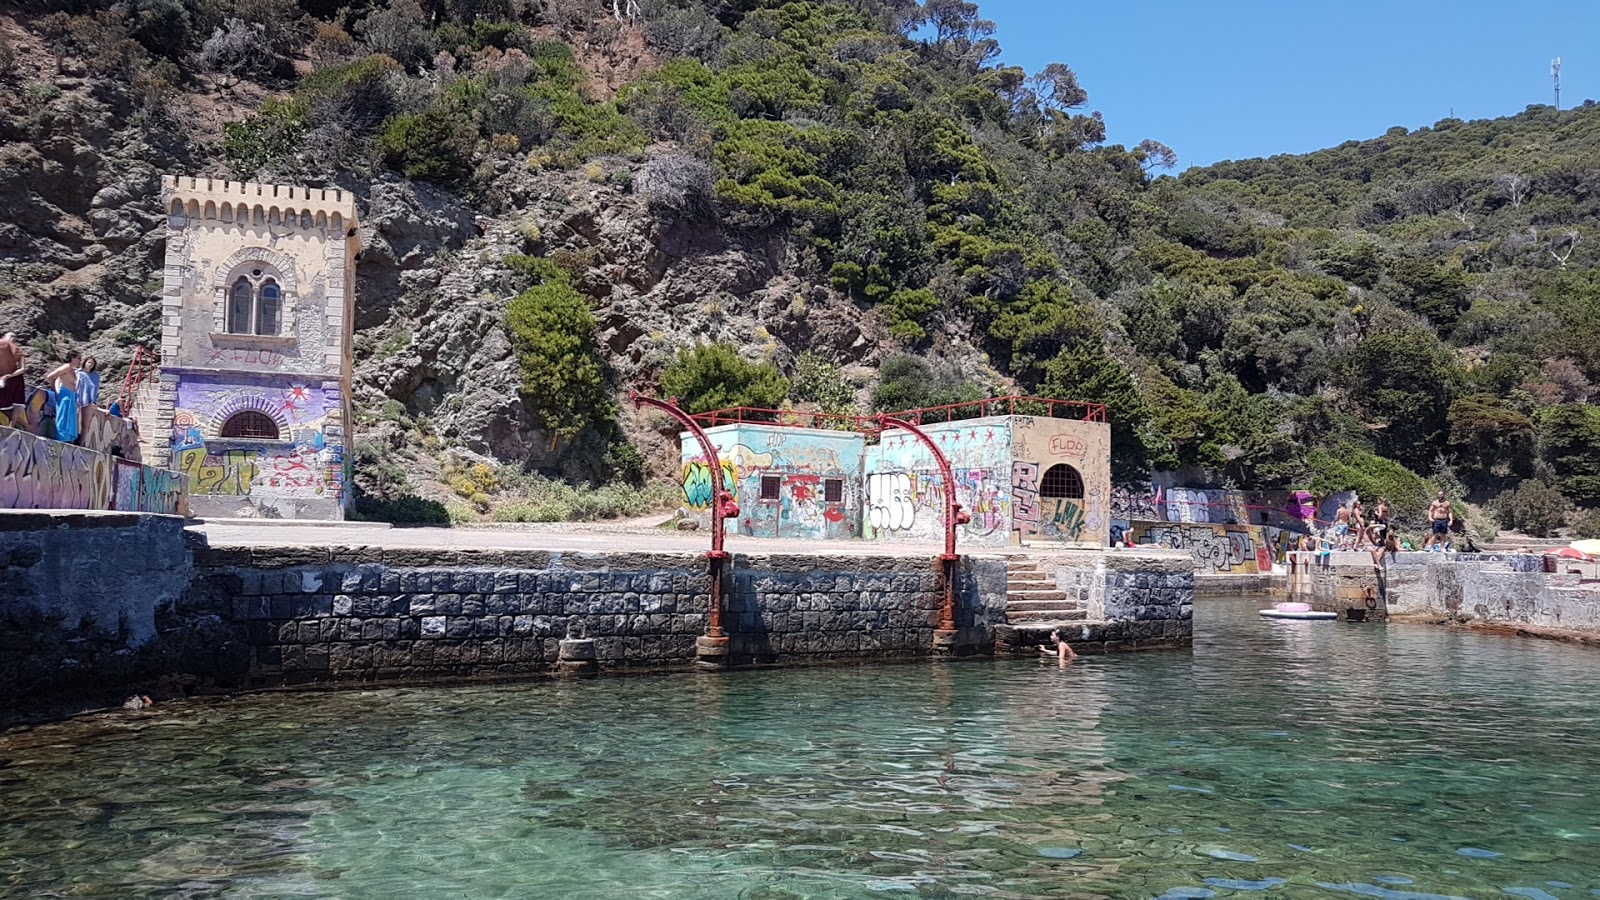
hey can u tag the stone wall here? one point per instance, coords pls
(1132, 601)
(412, 614)
(1343, 582)
(1492, 589)
(93, 602)
(41, 473)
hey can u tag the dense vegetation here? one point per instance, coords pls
(1418, 307)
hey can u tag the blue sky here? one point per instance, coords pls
(1231, 79)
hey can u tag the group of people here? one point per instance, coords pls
(72, 385)
(1354, 529)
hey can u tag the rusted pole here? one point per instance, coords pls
(944, 638)
(712, 648)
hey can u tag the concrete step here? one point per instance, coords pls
(1029, 584)
(1041, 606)
(1047, 594)
(1044, 617)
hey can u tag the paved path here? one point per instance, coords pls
(571, 536)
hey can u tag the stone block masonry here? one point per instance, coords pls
(345, 616)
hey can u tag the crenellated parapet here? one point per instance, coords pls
(246, 203)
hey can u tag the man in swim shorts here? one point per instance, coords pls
(1440, 518)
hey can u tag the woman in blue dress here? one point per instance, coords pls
(89, 382)
(65, 379)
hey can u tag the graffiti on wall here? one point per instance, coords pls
(1025, 498)
(28, 416)
(141, 488)
(890, 501)
(39, 473)
(696, 481)
(1231, 549)
(1218, 506)
(102, 432)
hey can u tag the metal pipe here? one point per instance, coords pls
(714, 646)
(954, 515)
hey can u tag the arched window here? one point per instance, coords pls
(1062, 480)
(255, 304)
(239, 303)
(250, 424)
(269, 305)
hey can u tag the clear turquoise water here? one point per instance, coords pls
(1275, 760)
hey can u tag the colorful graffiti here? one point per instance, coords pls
(141, 488)
(40, 473)
(696, 481)
(28, 416)
(102, 432)
(1231, 549)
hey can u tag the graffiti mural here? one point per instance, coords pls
(805, 467)
(102, 432)
(40, 473)
(1025, 498)
(696, 481)
(141, 488)
(890, 501)
(1231, 549)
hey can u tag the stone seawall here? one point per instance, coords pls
(367, 615)
(95, 601)
(98, 606)
(1131, 601)
(1497, 590)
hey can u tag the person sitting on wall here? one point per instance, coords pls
(12, 391)
(65, 379)
(1062, 650)
(89, 382)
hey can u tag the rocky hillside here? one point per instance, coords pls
(856, 196)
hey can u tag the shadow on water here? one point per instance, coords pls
(1290, 758)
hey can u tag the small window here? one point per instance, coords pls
(769, 487)
(268, 307)
(250, 424)
(239, 302)
(833, 490)
(1062, 481)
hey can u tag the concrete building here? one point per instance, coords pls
(258, 305)
(1025, 479)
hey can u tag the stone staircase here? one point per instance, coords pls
(1033, 601)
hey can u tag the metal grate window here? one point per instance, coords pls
(250, 424)
(833, 490)
(1062, 481)
(769, 487)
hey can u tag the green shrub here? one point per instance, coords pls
(1587, 524)
(434, 145)
(910, 382)
(715, 376)
(1532, 507)
(563, 378)
(1371, 476)
(818, 381)
(406, 509)
(266, 139)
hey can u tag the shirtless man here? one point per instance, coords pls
(65, 379)
(1440, 518)
(12, 390)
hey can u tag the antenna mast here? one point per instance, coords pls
(1555, 75)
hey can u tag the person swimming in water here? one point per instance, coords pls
(1062, 650)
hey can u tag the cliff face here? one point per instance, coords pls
(83, 240)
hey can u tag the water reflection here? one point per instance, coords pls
(1284, 758)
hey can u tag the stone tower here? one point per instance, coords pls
(257, 308)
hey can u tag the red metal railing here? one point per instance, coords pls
(993, 406)
(1015, 405)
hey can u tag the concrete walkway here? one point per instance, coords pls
(565, 536)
